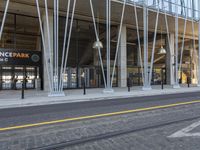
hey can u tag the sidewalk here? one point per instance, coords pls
(12, 99)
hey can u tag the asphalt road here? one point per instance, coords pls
(29, 115)
(141, 130)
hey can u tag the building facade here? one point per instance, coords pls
(62, 44)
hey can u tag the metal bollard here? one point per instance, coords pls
(22, 94)
(188, 82)
(129, 89)
(128, 84)
(84, 88)
(162, 85)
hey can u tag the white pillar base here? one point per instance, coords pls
(146, 88)
(176, 86)
(108, 91)
(56, 94)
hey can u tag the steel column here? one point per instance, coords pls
(139, 43)
(118, 41)
(4, 18)
(108, 15)
(176, 84)
(154, 44)
(97, 39)
(146, 68)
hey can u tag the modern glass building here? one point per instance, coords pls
(61, 44)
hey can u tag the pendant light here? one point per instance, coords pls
(161, 51)
(97, 44)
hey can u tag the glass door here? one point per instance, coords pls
(11, 78)
(6, 78)
(18, 77)
(31, 75)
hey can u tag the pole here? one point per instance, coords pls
(176, 47)
(4, 18)
(108, 43)
(129, 84)
(188, 82)
(22, 93)
(23, 84)
(84, 87)
(162, 82)
(145, 22)
(97, 39)
(108, 15)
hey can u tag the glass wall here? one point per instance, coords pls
(191, 6)
(20, 32)
(83, 63)
(133, 57)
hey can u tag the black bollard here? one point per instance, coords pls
(84, 88)
(129, 89)
(22, 94)
(188, 82)
(162, 83)
(129, 85)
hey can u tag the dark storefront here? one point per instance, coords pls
(15, 65)
(20, 53)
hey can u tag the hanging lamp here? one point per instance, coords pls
(161, 51)
(97, 44)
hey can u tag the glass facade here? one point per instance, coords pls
(83, 59)
(83, 64)
(189, 6)
(21, 32)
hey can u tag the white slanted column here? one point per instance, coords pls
(146, 85)
(46, 83)
(108, 88)
(170, 60)
(122, 59)
(176, 80)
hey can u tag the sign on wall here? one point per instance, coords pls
(20, 57)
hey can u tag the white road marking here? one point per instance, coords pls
(186, 132)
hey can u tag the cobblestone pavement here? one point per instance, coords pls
(148, 139)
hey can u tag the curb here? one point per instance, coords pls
(22, 103)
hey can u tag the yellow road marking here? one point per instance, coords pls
(98, 115)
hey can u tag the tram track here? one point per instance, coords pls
(65, 144)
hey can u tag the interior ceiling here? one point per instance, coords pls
(83, 11)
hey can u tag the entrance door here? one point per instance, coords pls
(31, 74)
(158, 75)
(11, 77)
(6, 78)
(73, 78)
